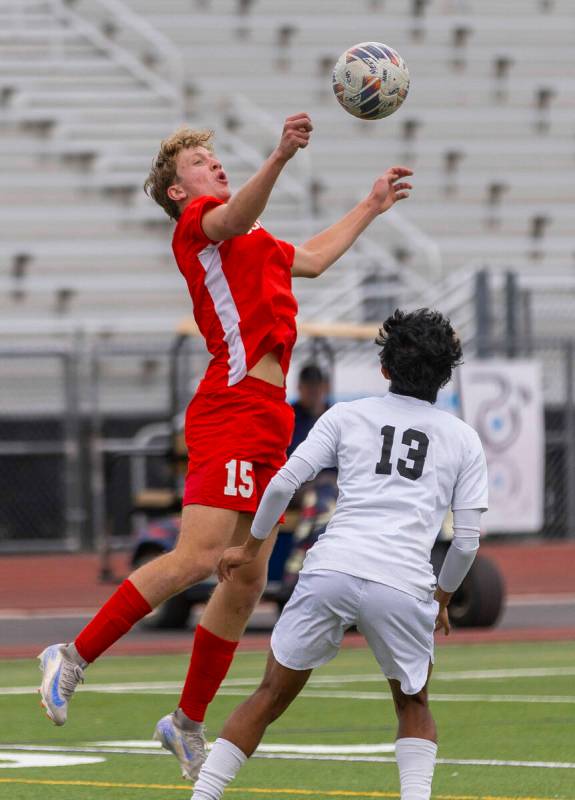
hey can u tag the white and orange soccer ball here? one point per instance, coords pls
(370, 80)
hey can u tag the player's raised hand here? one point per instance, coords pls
(391, 187)
(231, 559)
(295, 135)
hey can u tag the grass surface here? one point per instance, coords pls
(476, 717)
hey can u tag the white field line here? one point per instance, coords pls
(461, 675)
(317, 694)
(309, 749)
(165, 687)
(26, 760)
(303, 756)
(436, 698)
(497, 674)
(474, 762)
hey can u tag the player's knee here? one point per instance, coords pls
(411, 702)
(276, 699)
(191, 568)
(414, 716)
(250, 587)
(199, 569)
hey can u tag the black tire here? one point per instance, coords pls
(479, 601)
(175, 612)
(438, 554)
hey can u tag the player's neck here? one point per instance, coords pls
(430, 398)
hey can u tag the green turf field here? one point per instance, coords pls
(505, 703)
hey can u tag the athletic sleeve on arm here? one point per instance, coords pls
(319, 449)
(277, 495)
(193, 215)
(471, 487)
(463, 549)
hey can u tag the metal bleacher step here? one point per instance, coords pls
(88, 98)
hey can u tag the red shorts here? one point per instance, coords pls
(237, 441)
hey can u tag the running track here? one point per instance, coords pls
(43, 595)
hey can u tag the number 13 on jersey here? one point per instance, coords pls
(417, 443)
(242, 483)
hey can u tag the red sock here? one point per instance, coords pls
(124, 608)
(209, 664)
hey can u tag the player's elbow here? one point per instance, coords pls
(239, 228)
(316, 265)
(308, 264)
(229, 225)
(279, 491)
(466, 544)
(230, 229)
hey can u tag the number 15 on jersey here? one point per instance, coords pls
(242, 483)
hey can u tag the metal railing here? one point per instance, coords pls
(425, 249)
(158, 64)
(69, 474)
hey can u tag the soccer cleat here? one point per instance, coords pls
(61, 676)
(189, 747)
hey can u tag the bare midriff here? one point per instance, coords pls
(268, 369)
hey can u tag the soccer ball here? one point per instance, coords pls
(370, 80)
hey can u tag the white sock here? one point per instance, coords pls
(221, 766)
(416, 762)
(71, 653)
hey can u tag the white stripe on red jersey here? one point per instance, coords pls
(241, 291)
(226, 309)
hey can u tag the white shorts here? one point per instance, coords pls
(398, 627)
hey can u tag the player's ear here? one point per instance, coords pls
(176, 193)
(385, 373)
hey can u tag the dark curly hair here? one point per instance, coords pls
(419, 350)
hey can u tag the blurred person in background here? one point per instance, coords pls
(238, 424)
(314, 500)
(313, 399)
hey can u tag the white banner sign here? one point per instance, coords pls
(502, 400)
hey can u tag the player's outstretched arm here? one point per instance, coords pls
(320, 252)
(243, 209)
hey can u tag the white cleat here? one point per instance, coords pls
(60, 678)
(189, 747)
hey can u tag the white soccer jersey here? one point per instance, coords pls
(401, 464)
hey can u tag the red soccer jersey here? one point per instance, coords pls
(241, 293)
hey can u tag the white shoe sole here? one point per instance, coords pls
(166, 745)
(48, 677)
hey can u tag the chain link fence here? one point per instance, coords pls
(558, 360)
(42, 505)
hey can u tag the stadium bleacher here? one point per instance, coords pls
(87, 90)
(482, 110)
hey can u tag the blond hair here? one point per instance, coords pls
(163, 173)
